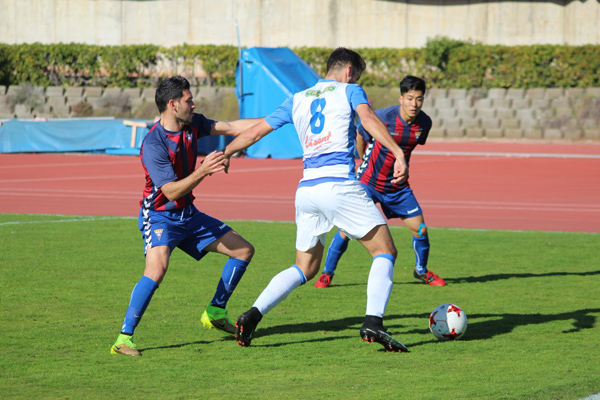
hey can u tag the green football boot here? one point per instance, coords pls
(217, 317)
(124, 345)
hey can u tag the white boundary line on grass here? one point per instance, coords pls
(61, 220)
(439, 227)
(592, 397)
(82, 218)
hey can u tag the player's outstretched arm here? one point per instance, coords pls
(247, 139)
(212, 163)
(234, 128)
(377, 129)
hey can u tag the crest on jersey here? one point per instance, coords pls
(158, 233)
(418, 133)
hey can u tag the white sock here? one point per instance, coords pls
(379, 286)
(279, 288)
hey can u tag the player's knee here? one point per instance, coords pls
(310, 271)
(246, 252)
(422, 231)
(310, 275)
(390, 249)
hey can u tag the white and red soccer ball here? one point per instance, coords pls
(448, 322)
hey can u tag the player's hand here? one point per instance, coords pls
(212, 163)
(400, 172)
(226, 165)
(227, 162)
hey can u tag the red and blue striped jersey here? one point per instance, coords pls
(377, 168)
(170, 156)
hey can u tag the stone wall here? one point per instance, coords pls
(296, 23)
(548, 114)
(63, 102)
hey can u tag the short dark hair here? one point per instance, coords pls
(342, 56)
(412, 83)
(170, 88)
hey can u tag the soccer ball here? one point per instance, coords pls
(448, 322)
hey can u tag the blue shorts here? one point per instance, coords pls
(400, 204)
(188, 229)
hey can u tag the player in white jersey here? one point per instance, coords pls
(328, 194)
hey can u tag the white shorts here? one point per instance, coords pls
(344, 205)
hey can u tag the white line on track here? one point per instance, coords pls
(236, 196)
(113, 177)
(272, 199)
(61, 220)
(69, 178)
(225, 198)
(229, 198)
(512, 206)
(261, 169)
(507, 154)
(136, 194)
(69, 164)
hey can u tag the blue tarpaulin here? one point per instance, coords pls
(81, 134)
(265, 77)
(106, 135)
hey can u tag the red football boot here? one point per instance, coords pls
(323, 281)
(430, 278)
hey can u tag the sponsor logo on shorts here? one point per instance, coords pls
(158, 233)
(413, 210)
(223, 226)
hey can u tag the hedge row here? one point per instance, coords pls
(444, 63)
(112, 66)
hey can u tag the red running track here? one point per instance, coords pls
(515, 186)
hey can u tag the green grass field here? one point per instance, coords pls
(531, 298)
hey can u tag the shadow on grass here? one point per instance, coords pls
(321, 339)
(499, 324)
(335, 325)
(490, 326)
(497, 277)
(483, 278)
(333, 285)
(176, 346)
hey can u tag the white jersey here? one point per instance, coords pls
(323, 116)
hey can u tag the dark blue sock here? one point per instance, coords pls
(336, 249)
(232, 273)
(140, 298)
(421, 247)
